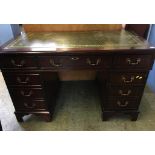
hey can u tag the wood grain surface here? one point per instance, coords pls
(70, 27)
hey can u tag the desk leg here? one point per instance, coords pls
(19, 117)
(134, 116)
(105, 115)
(0, 127)
(47, 117)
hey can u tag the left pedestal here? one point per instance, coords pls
(30, 94)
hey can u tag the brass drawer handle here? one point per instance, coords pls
(128, 81)
(26, 95)
(122, 105)
(124, 94)
(22, 62)
(23, 82)
(53, 63)
(74, 58)
(29, 106)
(139, 77)
(133, 63)
(93, 64)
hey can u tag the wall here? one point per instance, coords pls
(5, 33)
(16, 30)
(151, 77)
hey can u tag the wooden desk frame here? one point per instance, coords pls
(121, 77)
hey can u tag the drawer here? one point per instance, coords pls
(58, 62)
(55, 62)
(119, 103)
(18, 62)
(26, 93)
(128, 78)
(97, 61)
(133, 61)
(22, 79)
(125, 91)
(29, 105)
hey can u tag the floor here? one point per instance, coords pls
(77, 109)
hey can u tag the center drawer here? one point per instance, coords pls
(59, 62)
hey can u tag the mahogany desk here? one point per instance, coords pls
(30, 66)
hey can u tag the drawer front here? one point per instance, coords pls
(59, 62)
(128, 78)
(133, 61)
(29, 105)
(18, 62)
(22, 79)
(26, 93)
(125, 91)
(54, 62)
(97, 61)
(120, 103)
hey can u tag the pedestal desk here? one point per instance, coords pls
(30, 66)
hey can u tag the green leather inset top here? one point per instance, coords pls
(87, 39)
